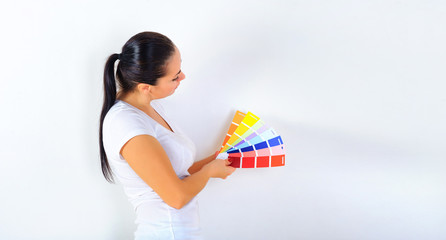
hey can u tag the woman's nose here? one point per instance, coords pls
(182, 76)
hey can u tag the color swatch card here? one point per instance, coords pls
(250, 143)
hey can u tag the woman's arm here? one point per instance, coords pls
(199, 164)
(148, 159)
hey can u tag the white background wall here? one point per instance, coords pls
(356, 89)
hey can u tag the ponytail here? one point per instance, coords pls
(109, 100)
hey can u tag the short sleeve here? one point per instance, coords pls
(121, 126)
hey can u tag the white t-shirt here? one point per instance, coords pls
(155, 219)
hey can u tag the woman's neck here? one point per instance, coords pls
(138, 101)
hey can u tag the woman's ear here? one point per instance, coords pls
(144, 88)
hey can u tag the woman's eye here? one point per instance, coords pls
(175, 79)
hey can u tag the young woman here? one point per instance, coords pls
(147, 152)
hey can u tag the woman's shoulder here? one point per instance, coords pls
(118, 109)
(121, 123)
(122, 113)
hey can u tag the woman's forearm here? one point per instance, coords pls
(192, 185)
(199, 164)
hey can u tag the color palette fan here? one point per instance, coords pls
(250, 143)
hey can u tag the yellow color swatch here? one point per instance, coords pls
(248, 121)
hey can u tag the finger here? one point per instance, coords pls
(228, 162)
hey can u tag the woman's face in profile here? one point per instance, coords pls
(166, 85)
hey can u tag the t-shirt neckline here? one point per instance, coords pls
(154, 108)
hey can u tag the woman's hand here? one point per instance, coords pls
(219, 168)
